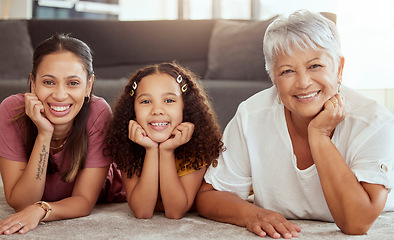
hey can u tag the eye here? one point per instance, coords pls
(48, 82)
(314, 66)
(145, 101)
(169, 100)
(74, 83)
(286, 72)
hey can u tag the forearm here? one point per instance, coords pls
(352, 208)
(224, 207)
(29, 188)
(143, 197)
(173, 194)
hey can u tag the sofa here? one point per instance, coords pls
(225, 54)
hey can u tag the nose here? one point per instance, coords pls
(158, 109)
(304, 80)
(60, 93)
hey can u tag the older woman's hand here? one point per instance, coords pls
(265, 222)
(328, 119)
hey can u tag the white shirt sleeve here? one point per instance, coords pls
(373, 161)
(232, 172)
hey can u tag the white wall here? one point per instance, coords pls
(16, 9)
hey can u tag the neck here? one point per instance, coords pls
(300, 125)
(61, 131)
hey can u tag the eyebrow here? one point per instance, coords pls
(69, 77)
(288, 65)
(164, 94)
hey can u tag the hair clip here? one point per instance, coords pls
(134, 88)
(184, 88)
(179, 79)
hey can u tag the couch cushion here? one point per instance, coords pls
(16, 50)
(236, 50)
(134, 43)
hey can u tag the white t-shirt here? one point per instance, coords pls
(259, 152)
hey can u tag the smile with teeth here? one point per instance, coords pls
(60, 108)
(307, 96)
(160, 124)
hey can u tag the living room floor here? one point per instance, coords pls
(116, 221)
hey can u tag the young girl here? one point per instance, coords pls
(51, 140)
(162, 137)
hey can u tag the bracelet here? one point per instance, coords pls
(47, 208)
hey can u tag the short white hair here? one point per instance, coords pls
(302, 30)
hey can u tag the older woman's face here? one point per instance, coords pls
(305, 81)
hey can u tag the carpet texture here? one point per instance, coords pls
(116, 221)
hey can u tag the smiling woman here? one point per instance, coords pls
(55, 134)
(311, 148)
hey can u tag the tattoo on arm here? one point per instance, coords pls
(41, 163)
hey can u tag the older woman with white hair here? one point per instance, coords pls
(310, 147)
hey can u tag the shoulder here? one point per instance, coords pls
(11, 104)
(364, 111)
(99, 110)
(262, 105)
(99, 106)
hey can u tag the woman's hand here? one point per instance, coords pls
(181, 135)
(35, 110)
(138, 135)
(328, 119)
(266, 222)
(23, 221)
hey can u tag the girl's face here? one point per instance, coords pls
(306, 80)
(158, 106)
(61, 85)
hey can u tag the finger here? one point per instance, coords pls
(292, 228)
(282, 229)
(258, 231)
(270, 230)
(13, 228)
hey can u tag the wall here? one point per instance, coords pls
(16, 9)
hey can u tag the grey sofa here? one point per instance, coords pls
(226, 55)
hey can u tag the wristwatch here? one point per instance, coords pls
(47, 208)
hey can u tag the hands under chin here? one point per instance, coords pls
(181, 135)
(327, 120)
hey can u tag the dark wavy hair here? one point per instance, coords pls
(77, 143)
(205, 144)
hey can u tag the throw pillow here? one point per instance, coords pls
(236, 50)
(16, 50)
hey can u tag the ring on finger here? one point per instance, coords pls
(20, 224)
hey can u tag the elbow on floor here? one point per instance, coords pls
(142, 215)
(355, 229)
(174, 215)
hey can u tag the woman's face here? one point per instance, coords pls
(158, 106)
(306, 80)
(61, 85)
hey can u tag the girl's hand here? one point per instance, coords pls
(332, 114)
(23, 221)
(138, 135)
(35, 110)
(181, 135)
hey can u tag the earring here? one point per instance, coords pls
(87, 99)
(339, 85)
(279, 101)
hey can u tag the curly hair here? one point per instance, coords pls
(205, 144)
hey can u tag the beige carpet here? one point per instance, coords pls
(116, 221)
